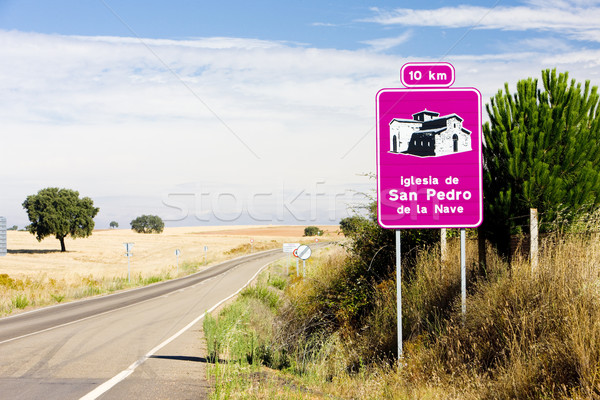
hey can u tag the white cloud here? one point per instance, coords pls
(592, 35)
(200, 42)
(573, 18)
(326, 24)
(563, 3)
(388, 43)
(544, 44)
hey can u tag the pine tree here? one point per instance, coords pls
(542, 150)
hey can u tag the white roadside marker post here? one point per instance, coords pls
(128, 253)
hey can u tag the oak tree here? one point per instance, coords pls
(60, 212)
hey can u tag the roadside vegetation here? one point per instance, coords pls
(527, 334)
(246, 248)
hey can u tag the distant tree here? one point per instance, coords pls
(60, 212)
(148, 224)
(312, 231)
(114, 224)
(13, 228)
(542, 150)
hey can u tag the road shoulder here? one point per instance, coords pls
(177, 371)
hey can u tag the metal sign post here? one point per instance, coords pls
(128, 253)
(205, 251)
(399, 291)
(463, 272)
(177, 252)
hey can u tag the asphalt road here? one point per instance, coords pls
(142, 343)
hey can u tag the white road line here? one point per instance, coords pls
(109, 384)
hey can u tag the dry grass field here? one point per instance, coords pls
(31, 269)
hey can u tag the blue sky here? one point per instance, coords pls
(430, 29)
(242, 112)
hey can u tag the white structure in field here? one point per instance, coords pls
(2, 236)
(429, 135)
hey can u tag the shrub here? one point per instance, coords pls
(351, 225)
(312, 231)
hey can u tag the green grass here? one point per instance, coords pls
(263, 294)
(20, 301)
(57, 297)
(277, 281)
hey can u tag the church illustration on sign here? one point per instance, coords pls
(429, 135)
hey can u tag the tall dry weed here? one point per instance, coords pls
(533, 333)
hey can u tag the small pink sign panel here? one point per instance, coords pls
(432, 74)
(429, 158)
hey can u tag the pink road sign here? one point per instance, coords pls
(429, 158)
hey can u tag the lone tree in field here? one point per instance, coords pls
(114, 224)
(60, 212)
(542, 150)
(148, 224)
